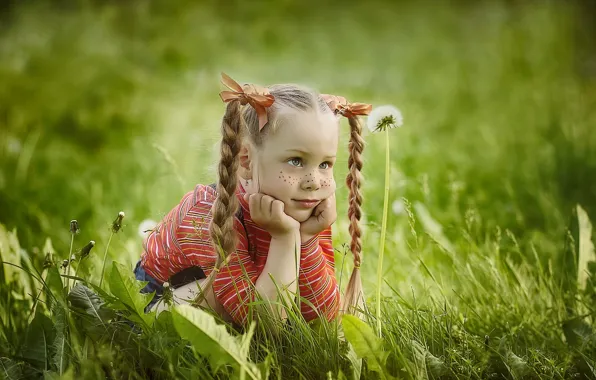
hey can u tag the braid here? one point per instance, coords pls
(353, 181)
(354, 295)
(226, 204)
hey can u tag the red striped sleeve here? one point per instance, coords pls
(161, 252)
(316, 278)
(234, 284)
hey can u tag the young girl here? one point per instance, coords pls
(266, 225)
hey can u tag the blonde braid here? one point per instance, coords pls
(221, 228)
(354, 297)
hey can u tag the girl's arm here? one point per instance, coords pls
(280, 271)
(237, 283)
(278, 277)
(317, 281)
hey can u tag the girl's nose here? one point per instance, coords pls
(311, 182)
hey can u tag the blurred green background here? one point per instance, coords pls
(110, 106)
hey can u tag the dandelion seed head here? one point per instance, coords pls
(146, 226)
(166, 284)
(384, 117)
(14, 145)
(398, 207)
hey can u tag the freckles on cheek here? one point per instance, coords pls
(286, 178)
(328, 183)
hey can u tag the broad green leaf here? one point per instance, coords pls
(435, 366)
(517, 366)
(577, 332)
(125, 287)
(10, 370)
(54, 282)
(356, 362)
(83, 298)
(60, 346)
(419, 352)
(54, 289)
(213, 340)
(340, 376)
(68, 375)
(586, 247)
(165, 323)
(11, 252)
(366, 344)
(40, 335)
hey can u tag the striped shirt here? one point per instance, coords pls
(182, 240)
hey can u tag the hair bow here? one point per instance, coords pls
(339, 104)
(258, 97)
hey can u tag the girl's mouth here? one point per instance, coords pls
(306, 203)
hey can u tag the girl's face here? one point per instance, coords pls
(295, 163)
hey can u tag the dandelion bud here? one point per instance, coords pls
(117, 223)
(64, 264)
(47, 262)
(73, 257)
(74, 227)
(86, 249)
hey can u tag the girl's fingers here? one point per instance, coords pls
(266, 201)
(254, 202)
(324, 205)
(277, 209)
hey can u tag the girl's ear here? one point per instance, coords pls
(245, 169)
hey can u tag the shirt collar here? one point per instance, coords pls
(240, 193)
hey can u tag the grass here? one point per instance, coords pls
(114, 107)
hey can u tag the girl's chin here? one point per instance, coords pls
(300, 215)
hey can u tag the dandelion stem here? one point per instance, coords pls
(383, 232)
(69, 256)
(77, 271)
(105, 256)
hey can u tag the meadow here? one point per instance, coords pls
(489, 263)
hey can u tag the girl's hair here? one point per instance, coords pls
(241, 124)
(354, 297)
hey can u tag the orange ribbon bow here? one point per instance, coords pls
(258, 97)
(339, 104)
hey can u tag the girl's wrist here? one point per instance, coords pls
(307, 239)
(288, 235)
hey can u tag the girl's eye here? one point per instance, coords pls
(295, 161)
(325, 165)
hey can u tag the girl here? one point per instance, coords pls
(266, 225)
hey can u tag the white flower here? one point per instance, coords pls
(398, 207)
(146, 227)
(384, 117)
(13, 145)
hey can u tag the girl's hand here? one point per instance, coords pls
(322, 217)
(268, 213)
